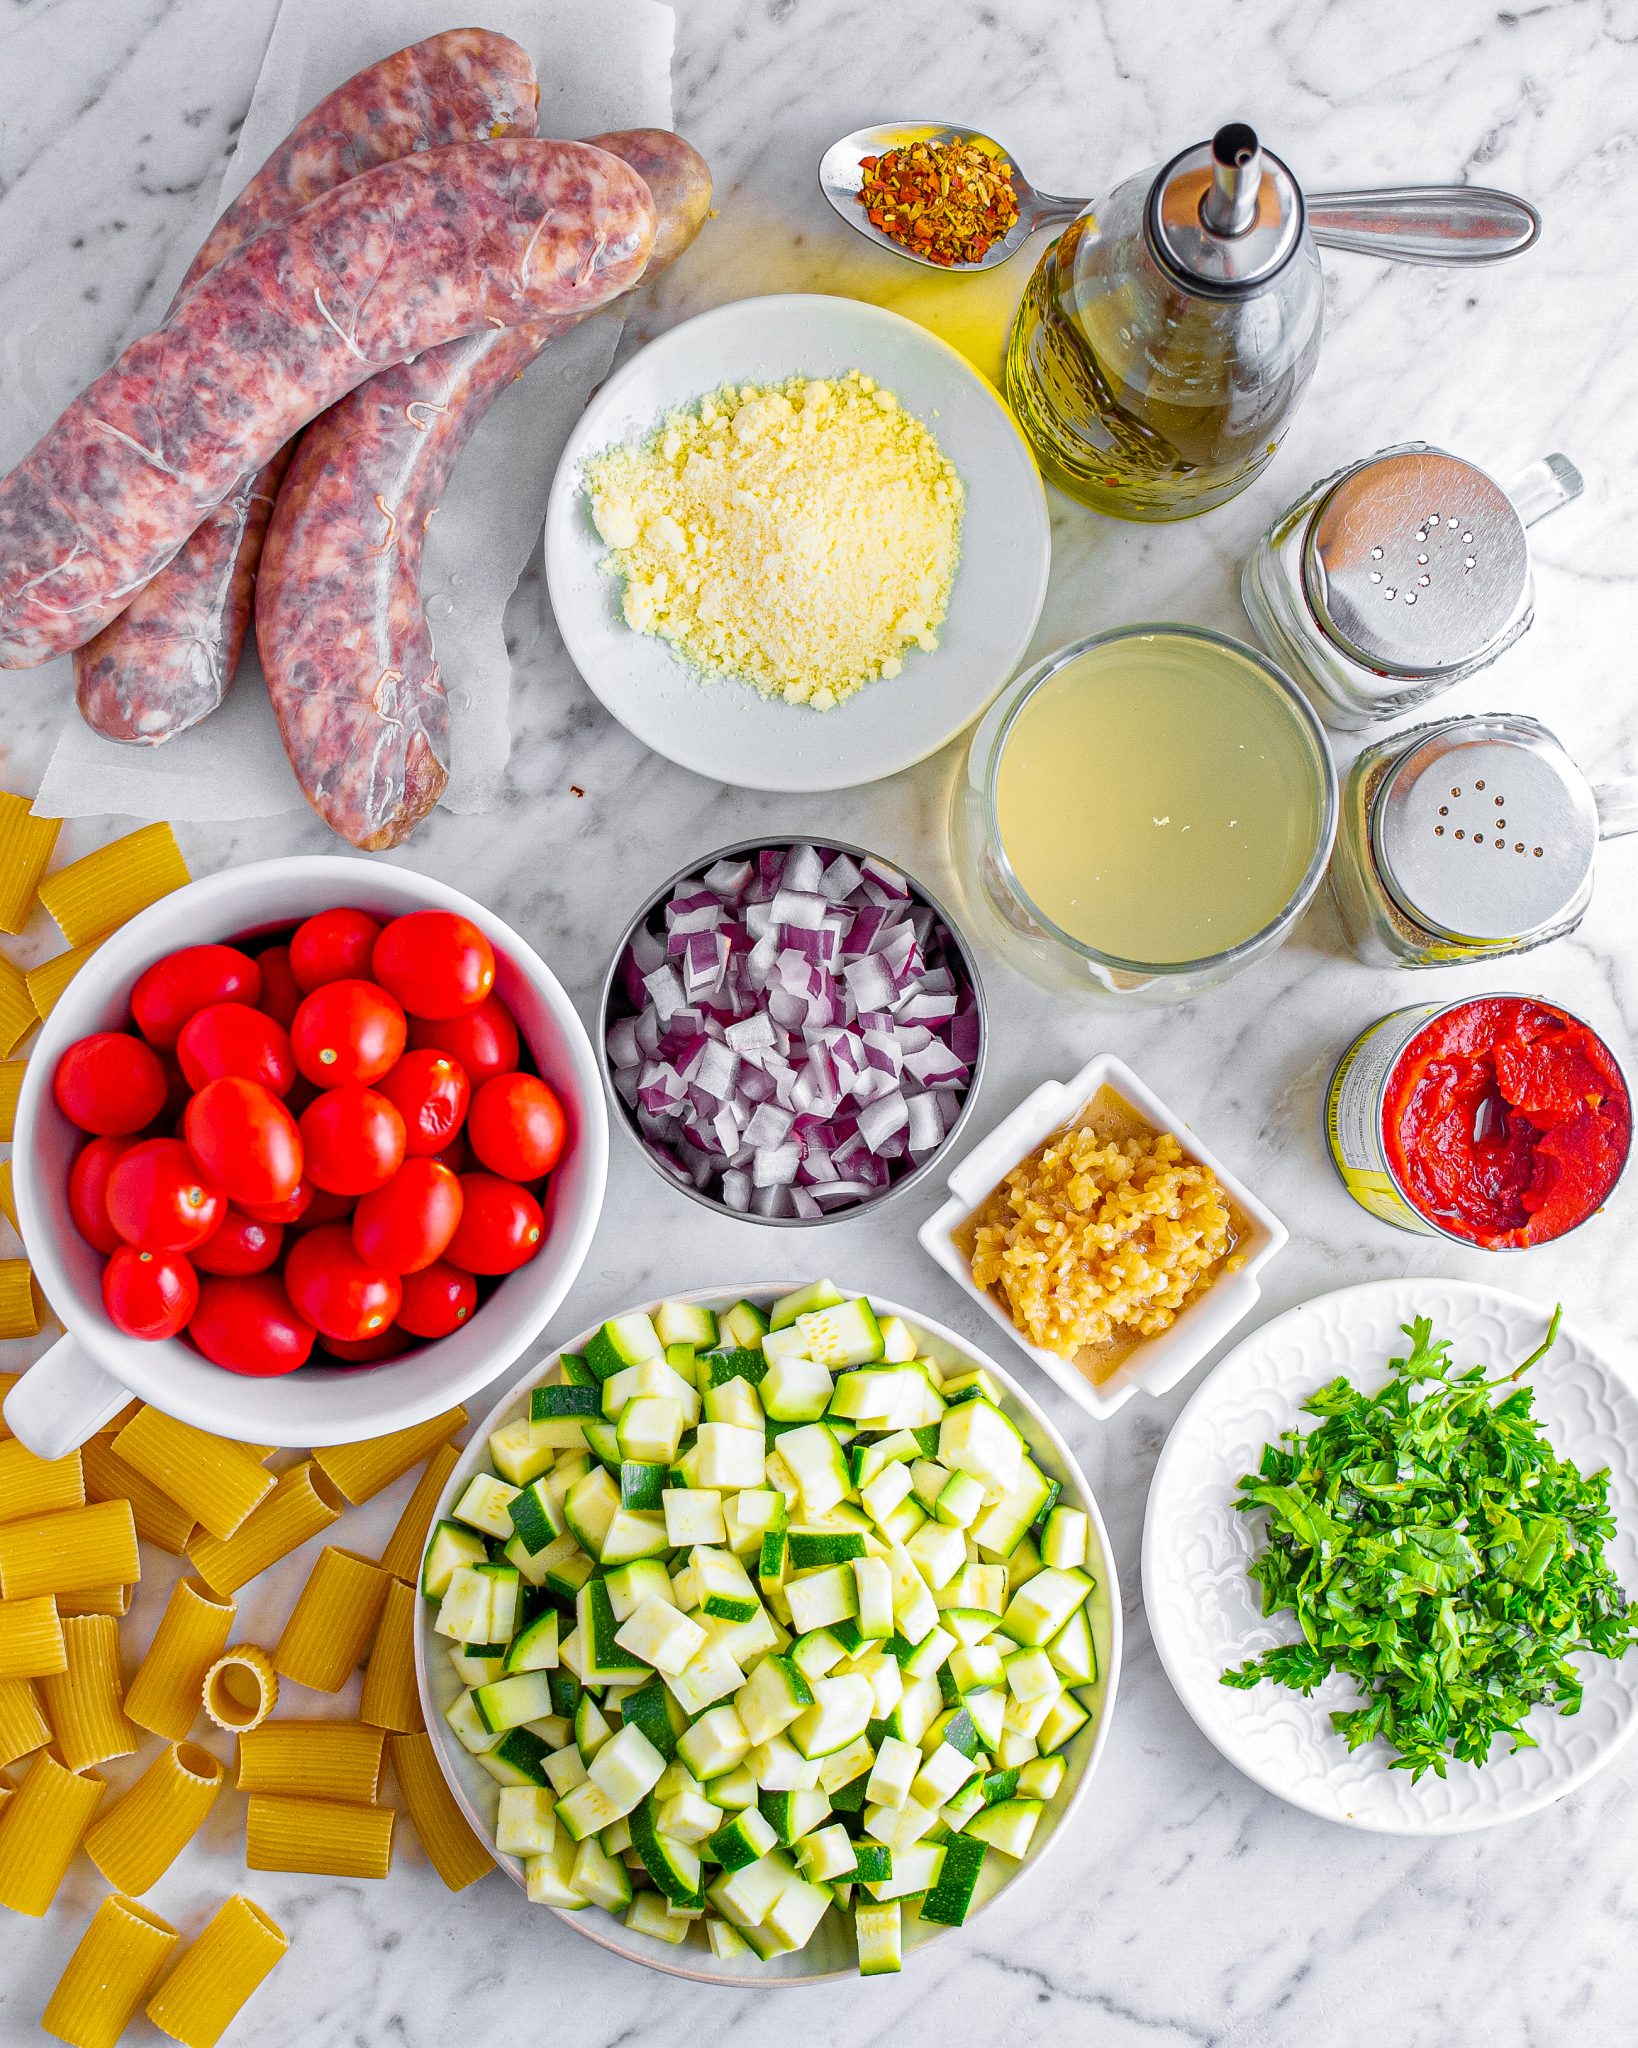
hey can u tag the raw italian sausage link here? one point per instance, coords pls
(166, 661)
(402, 258)
(344, 641)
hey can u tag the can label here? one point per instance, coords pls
(1353, 1116)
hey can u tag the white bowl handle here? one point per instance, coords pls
(1225, 1303)
(61, 1400)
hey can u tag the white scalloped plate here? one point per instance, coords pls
(1205, 1614)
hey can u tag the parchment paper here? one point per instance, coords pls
(602, 64)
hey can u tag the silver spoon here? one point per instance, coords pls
(1445, 224)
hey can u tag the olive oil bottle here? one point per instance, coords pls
(1167, 337)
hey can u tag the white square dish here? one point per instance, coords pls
(1159, 1362)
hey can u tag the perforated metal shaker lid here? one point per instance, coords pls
(1484, 829)
(1415, 562)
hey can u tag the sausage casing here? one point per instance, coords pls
(402, 258)
(166, 661)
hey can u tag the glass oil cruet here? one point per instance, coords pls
(1167, 337)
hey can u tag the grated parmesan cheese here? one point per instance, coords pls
(798, 536)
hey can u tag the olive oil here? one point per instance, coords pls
(1158, 800)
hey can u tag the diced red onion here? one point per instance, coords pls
(801, 1034)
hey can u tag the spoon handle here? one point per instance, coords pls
(1049, 209)
(1454, 224)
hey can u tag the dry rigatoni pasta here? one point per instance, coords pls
(92, 895)
(300, 1505)
(391, 1699)
(26, 846)
(114, 1600)
(11, 1086)
(117, 1422)
(109, 1975)
(31, 1638)
(361, 1470)
(40, 1828)
(331, 1625)
(402, 1556)
(312, 1760)
(85, 1703)
(19, 1299)
(37, 1486)
(18, 1015)
(168, 1689)
(7, 1381)
(217, 1482)
(8, 1204)
(453, 1850)
(240, 1689)
(71, 1551)
(326, 1837)
(22, 1725)
(213, 1978)
(47, 981)
(137, 1839)
(158, 1518)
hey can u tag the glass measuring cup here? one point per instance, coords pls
(1145, 813)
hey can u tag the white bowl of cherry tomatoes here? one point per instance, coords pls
(307, 1152)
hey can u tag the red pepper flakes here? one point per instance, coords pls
(948, 201)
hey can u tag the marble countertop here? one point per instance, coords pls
(1189, 1907)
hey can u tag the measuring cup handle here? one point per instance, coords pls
(1544, 486)
(62, 1399)
(1617, 806)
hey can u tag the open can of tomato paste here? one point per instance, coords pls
(1500, 1122)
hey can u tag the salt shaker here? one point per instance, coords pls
(1394, 578)
(1467, 839)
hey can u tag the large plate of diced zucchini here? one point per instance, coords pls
(768, 1634)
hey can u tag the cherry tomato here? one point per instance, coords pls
(294, 1206)
(430, 1092)
(516, 1126)
(177, 1092)
(243, 1135)
(406, 1224)
(243, 1244)
(246, 1324)
(483, 1039)
(169, 992)
(437, 1300)
(333, 945)
(328, 1208)
(159, 1198)
(348, 1031)
(232, 1038)
(110, 1084)
(149, 1294)
(281, 992)
(88, 1192)
(456, 1155)
(435, 963)
(501, 1227)
(339, 1293)
(366, 1350)
(353, 1139)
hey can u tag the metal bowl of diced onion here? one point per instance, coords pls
(916, 1074)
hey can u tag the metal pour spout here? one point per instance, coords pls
(1230, 206)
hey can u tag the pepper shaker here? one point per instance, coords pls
(1468, 839)
(1394, 578)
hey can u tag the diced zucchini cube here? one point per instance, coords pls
(709, 1676)
(742, 1840)
(645, 1578)
(977, 1438)
(826, 1854)
(548, 1877)
(1007, 1826)
(881, 1495)
(771, 1698)
(959, 1500)
(585, 1808)
(876, 1929)
(1064, 1539)
(1041, 1778)
(692, 1515)
(469, 1730)
(845, 1334)
(979, 1665)
(590, 1507)
(898, 1342)
(684, 1322)
(796, 1390)
(565, 1768)
(725, 1941)
(625, 1341)
(1042, 1606)
(662, 1636)
(509, 1702)
(819, 1598)
(721, 1584)
(804, 1301)
(517, 1454)
(464, 1612)
(730, 1457)
(779, 1766)
(843, 1708)
(735, 1401)
(893, 1773)
(647, 1914)
(650, 1429)
(939, 1551)
(625, 1768)
(873, 1590)
(942, 1776)
(598, 1879)
(524, 1822)
(688, 1817)
(630, 1535)
(484, 1503)
(1065, 1718)
(1032, 1675)
(715, 1743)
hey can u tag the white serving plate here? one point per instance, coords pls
(725, 729)
(1205, 1614)
(1203, 1323)
(830, 1954)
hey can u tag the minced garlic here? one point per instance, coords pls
(799, 536)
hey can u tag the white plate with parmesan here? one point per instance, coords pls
(797, 543)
